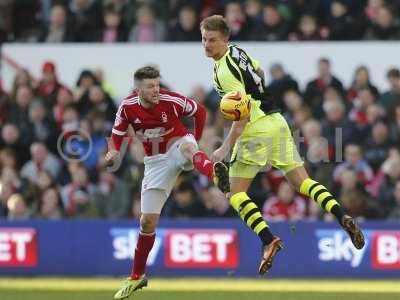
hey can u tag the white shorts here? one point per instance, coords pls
(160, 174)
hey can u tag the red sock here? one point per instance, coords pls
(144, 244)
(203, 164)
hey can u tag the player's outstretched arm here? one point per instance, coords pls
(111, 156)
(114, 146)
(234, 133)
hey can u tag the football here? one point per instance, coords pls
(235, 106)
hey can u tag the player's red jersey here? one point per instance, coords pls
(158, 127)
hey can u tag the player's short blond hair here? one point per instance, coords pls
(215, 23)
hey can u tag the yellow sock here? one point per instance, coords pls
(319, 194)
(251, 215)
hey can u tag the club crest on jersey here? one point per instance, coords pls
(164, 118)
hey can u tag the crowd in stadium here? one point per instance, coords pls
(349, 136)
(54, 21)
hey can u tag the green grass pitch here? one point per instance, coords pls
(199, 289)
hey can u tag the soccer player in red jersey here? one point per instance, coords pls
(155, 116)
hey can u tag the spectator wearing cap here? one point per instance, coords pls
(49, 84)
(391, 98)
(58, 30)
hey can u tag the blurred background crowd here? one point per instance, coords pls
(141, 21)
(349, 136)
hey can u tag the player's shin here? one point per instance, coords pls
(144, 245)
(251, 215)
(323, 197)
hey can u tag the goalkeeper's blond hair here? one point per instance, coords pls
(215, 23)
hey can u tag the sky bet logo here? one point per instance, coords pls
(183, 248)
(18, 247)
(335, 245)
(124, 243)
(383, 247)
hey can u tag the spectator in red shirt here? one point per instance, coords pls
(358, 113)
(286, 205)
